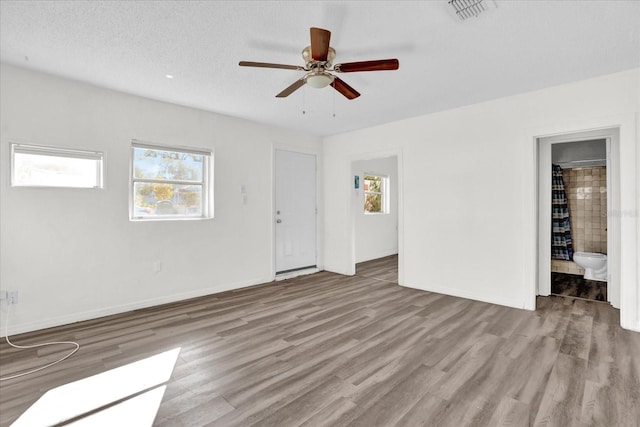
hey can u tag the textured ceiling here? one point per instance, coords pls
(130, 46)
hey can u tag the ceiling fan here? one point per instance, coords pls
(318, 58)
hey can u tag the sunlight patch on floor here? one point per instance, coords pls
(109, 398)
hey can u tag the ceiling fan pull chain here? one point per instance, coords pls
(304, 91)
(334, 104)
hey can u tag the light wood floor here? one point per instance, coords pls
(382, 269)
(332, 350)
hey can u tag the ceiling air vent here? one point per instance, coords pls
(470, 8)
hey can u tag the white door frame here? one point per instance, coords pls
(627, 215)
(611, 135)
(397, 153)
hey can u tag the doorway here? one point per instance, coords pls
(579, 221)
(374, 207)
(586, 171)
(295, 211)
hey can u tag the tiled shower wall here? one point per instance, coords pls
(586, 190)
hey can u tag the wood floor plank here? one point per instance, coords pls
(601, 343)
(446, 351)
(512, 413)
(330, 350)
(598, 407)
(564, 393)
(425, 412)
(531, 372)
(374, 387)
(306, 405)
(186, 410)
(392, 406)
(577, 338)
(330, 414)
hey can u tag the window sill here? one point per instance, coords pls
(186, 218)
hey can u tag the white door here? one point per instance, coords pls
(295, 211)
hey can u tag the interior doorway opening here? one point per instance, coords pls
(581, 169)
(579, 219)
(375, 216)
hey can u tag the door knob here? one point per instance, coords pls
(278, 221)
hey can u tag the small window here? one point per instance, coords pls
(170, 182)
(375, 194)
(37, 166)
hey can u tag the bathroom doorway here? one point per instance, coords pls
(374, 207)
(579, 219)
(576, 180)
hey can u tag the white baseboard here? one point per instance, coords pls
(630, 326)
(118, 309)
(468, 295)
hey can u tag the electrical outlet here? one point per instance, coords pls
(12, 297)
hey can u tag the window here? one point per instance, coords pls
(375, 194)
(37, 166)
(170, 182)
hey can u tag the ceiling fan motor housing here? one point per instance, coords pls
(312, 63)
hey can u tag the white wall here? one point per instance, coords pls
(376, 235)
(473, 231)
(73, 254)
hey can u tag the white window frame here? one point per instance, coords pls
(384, 194)
(207, 181)
(67, 153)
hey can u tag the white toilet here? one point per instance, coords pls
(595, 265)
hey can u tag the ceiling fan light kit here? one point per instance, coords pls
(318, 58)
(318, 79)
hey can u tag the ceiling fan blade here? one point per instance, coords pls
(269, 65)
(288, 91)
(345, 89)
(378, 65)
(319, 43)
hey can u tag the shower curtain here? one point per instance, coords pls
(561, 246)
